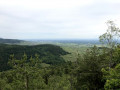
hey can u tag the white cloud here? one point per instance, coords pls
(56, 18)
(43, 4)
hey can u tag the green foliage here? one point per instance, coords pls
(49, 54)
(89, 73)
(24, 75)
(12, 41)
(59, 83)
(112, 77)
(28, 75)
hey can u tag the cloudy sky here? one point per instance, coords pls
(56, 19)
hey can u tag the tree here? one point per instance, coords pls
(89, 73)
(112, 78)
(111, 72)
(26, 73)
(110, 38)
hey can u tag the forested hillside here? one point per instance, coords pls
(49, 54)
(10, 41)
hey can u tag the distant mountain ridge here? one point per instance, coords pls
(10, 40)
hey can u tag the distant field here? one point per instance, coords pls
(74, 50)
(73, 47)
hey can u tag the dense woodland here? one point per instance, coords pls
(97, 69)
(49, 54)
(12, 41)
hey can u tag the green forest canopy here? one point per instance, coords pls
(49, 54)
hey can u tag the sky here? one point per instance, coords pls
(57, 19)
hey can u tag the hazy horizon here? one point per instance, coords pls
(56, 19)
